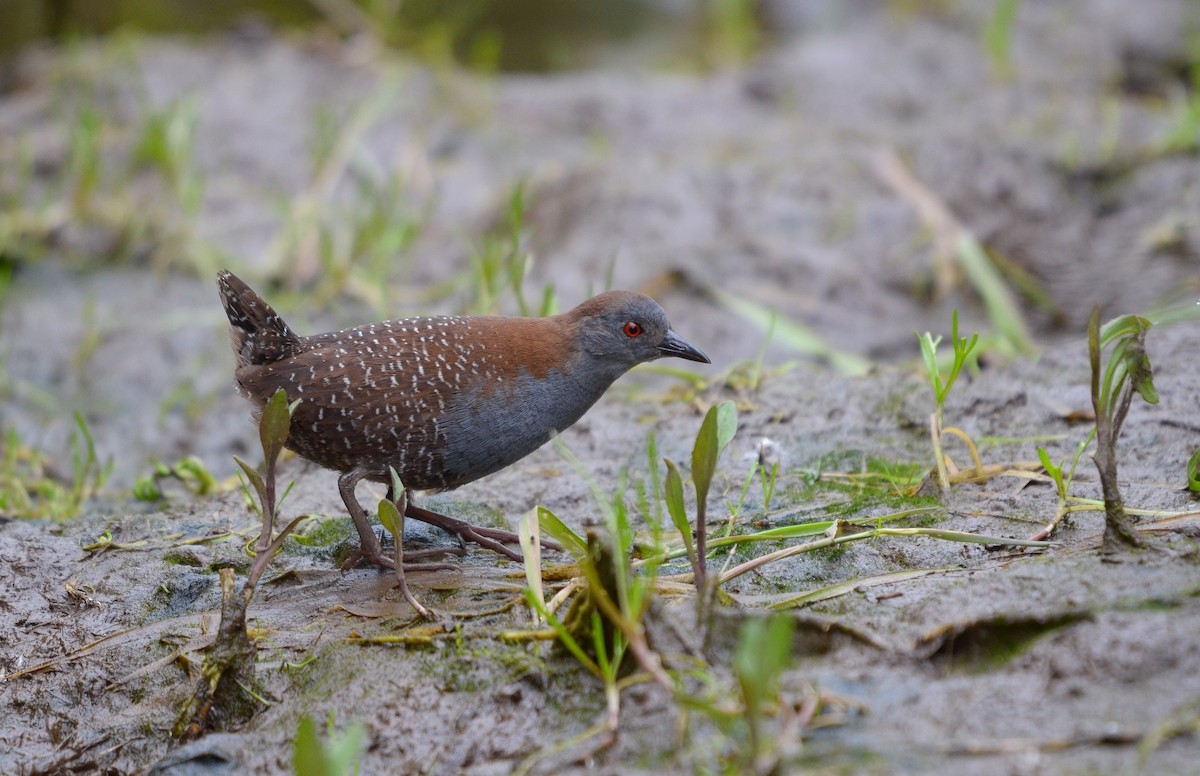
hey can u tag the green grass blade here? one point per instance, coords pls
(799, 531)
(274, 424)
(675, 507)
(531, 552)
(255, 479)
(564, 635)
(1002, 307)
(960, 536)
(997, 35)
(792, 334)
(929, 345)
(1054, 472)
(704, 455)
(572, 542)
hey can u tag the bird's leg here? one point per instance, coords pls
(370, 548)
(436, 552)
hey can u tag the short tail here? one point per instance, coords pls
(257, 333)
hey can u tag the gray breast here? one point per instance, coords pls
(492, 427)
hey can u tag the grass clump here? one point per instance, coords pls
(33, 487)
(864, 481)
(191, 472)
(117, 187)
(602, 607)
(500, 263)
(962, 348)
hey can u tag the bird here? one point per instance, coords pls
(442, 400)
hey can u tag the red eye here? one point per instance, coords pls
(633, 329)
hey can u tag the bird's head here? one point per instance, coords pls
(621, 329)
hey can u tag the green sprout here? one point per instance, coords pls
(603, 621)
(168, 144)
(83, 164)
(608, 593)
(1062, 485)
(1126, 372)
(941, 389)
(391, 515)
(500, 263)
(224, 693)
(716, 432)
(28, 489)
(191, 471)
(602, 626)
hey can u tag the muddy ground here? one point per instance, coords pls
(757, 184)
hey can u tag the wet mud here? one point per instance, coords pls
(758, 186)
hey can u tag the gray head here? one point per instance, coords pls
(618, 330)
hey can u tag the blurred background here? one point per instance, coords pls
(484, 35)
(803, 185)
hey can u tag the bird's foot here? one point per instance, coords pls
(385, 562)
(493, 539)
